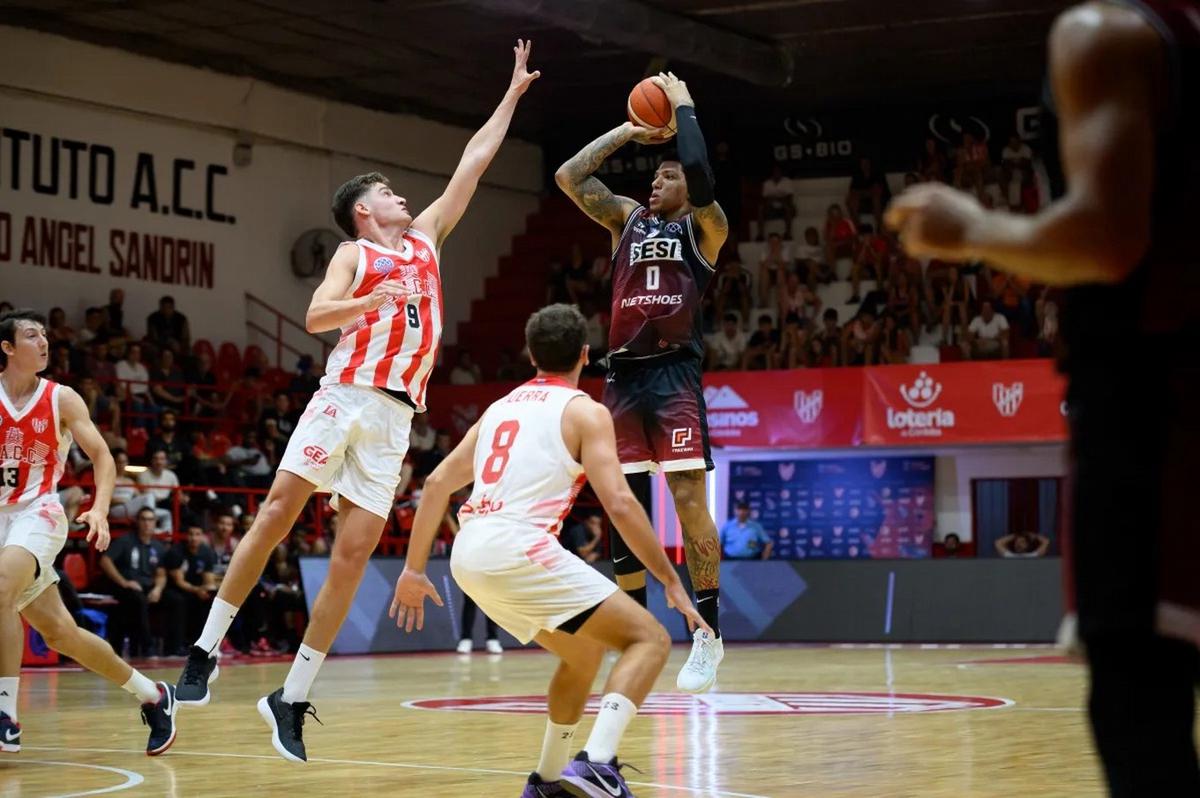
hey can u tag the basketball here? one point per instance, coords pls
(649, 107)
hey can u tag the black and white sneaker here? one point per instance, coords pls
(10, 735)
(160, 717)
(199, 671)
(287, 724)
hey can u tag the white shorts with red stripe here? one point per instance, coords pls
(352, 440)
(39, 527)
(522, 578)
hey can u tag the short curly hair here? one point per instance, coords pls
(556, 335)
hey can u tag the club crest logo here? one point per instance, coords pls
(808, 405)
(39, 425)
(1007, 398)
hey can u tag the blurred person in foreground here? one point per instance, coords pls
(1126, 94)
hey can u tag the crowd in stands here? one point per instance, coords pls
(802, 293)
(783, 313)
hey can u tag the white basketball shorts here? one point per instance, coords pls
(522, 577)
(352, 440)
(40, 527)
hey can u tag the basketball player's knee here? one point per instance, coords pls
(273, 521)
(10, 590)
(351, 553)
(60, 634)
(658, 638)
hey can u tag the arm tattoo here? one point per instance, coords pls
(712, 221)
(596, 200)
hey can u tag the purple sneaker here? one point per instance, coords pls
(584, 778)
(536, 788)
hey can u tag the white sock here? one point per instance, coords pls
(8, 696)
(300, 677)
(141, 686)
(556, 749)
(615, 713)
(220, 616)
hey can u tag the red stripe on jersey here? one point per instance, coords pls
(394, 342)
(567, 504)
(426, 341)
(362, 340)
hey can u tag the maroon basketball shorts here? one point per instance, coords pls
(658, 410)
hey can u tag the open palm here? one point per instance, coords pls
(522, 77)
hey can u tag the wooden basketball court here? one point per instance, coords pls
(784, 721)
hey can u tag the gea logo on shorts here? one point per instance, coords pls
(680, 438)
(316, 456)
(737, 704)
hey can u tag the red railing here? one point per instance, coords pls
(282, 321)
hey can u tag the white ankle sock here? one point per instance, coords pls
(220, 616)
(615, 713)
(8, 695)
(141, 686)
(556, 749)
(304, 671)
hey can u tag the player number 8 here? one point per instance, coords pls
(652, 278)
(502, 443)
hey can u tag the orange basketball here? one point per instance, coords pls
(648, 106)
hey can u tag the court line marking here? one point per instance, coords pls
(132, 778)
(404, 765)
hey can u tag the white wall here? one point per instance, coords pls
(302, 148)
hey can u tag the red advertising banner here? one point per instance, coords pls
(1010, 401)
(800, 408)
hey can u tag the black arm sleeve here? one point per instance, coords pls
(693, 154)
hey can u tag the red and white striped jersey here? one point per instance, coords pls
(33, 447)
(523, 471)
(395, 346)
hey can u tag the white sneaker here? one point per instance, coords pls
(494, 647)
(465, 646)
(700, 670)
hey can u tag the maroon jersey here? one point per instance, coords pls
(659, 277)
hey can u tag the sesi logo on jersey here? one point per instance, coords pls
(656, 249)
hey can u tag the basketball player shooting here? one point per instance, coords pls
(384, 293)
(663, 259)
(1126, 91)
(38, 421)
(529, 456)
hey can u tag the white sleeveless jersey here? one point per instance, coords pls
(33, 446)
(396, 345)
(524, 474)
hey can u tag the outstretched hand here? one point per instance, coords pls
(522, 77)
(678, 598)
(97, 524)
(408, 604)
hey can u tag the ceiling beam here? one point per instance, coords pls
(637, 26)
